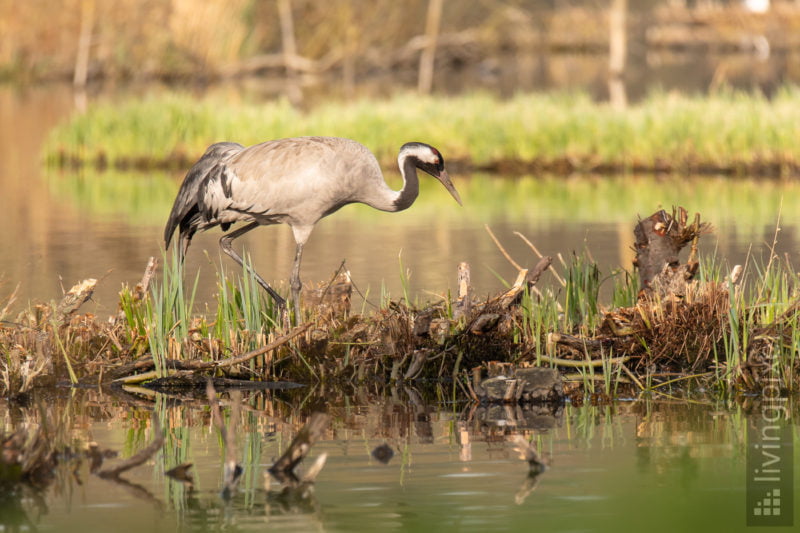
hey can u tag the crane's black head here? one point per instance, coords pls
(428, 159)
(425, 157)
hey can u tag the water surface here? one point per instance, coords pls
(64, 226)
(654, 464)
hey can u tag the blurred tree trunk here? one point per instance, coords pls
(617, 52)
(426, 59)
(350, 53)
(289, 46)
(81, 72)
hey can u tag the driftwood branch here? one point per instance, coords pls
(280, 341)
(144, 367)
(594, 363)
(525, 278)
(540, 256)
(74, 298)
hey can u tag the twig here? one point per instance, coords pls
(593, 363)
(632, 376)
(149, 271)
(536, 251)
(500, 247)
(225, 363)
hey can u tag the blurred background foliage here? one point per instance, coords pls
(176, 39)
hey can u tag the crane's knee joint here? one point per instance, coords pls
(296, 284)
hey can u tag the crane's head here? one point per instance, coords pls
(428, 159)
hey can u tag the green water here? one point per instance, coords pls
(655, 464)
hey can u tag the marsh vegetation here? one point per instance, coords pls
(726, 132)
(433, 412)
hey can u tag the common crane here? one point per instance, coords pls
(294, 181)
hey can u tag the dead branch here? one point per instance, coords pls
(539, 255)
(280, 341)
(143, 286)
(144, 367)
(524, 279)
(502, 250)
(75, 297)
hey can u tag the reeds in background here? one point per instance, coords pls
(729, 131)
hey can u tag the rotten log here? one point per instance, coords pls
(533, 384)
(464, 302)
(74, 298)
(659, 240)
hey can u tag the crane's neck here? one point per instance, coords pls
(406, 196)
(381, 196)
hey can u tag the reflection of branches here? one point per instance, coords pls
(135, 490)
(138, 491)
(143, 455)
(528, 486)
(13, 516)
(283, 469)
(527, 452)
(231, 469)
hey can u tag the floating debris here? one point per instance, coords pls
(383, 453)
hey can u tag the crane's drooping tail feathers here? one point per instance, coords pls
(185, 211)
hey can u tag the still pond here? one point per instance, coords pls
(657, 464)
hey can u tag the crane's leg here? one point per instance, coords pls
(226, 241)
(295, 282)
(183, 245)
(301, 234)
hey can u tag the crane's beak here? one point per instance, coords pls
(448, 184)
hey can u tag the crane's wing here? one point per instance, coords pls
(185, 206)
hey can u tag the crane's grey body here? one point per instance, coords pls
(294, 181)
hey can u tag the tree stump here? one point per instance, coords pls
(659, 240)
